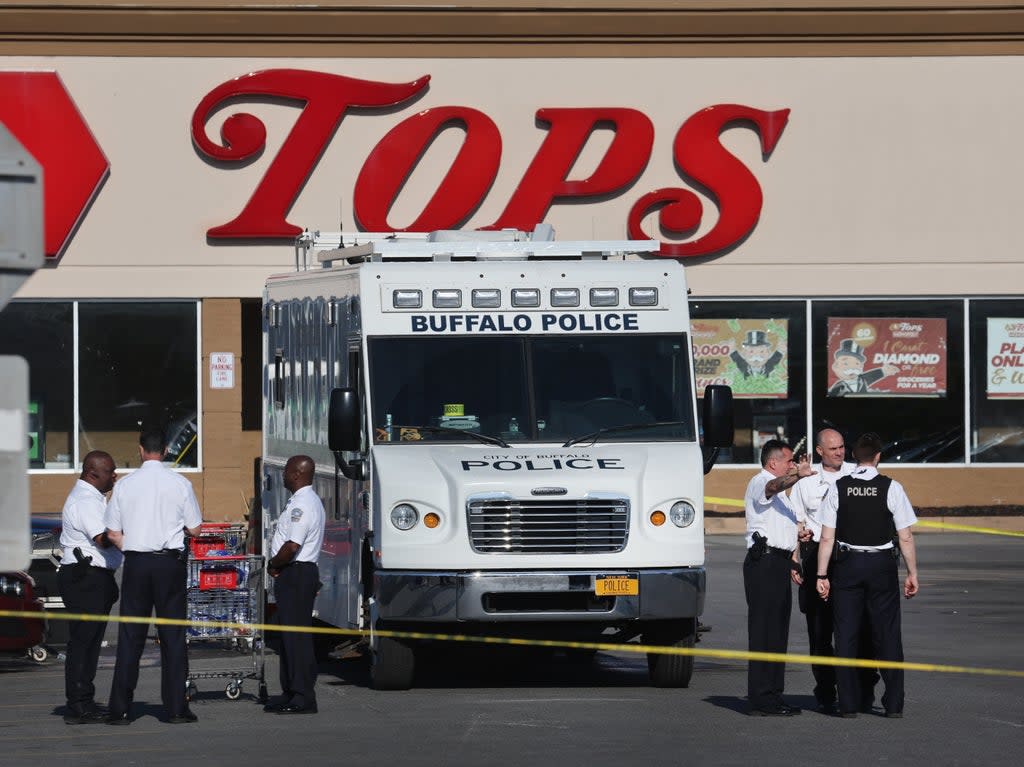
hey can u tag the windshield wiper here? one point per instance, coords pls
(485, 438)
(625, 427)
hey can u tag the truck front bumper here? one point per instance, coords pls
(557, 595)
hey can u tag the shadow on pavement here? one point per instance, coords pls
(468, 667)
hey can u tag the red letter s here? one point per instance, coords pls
(702, 158)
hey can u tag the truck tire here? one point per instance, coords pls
(671, 670)
(392, 665)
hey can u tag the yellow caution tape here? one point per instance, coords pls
(969, 528)
(921, 522)
(723, 501)
(249, 628)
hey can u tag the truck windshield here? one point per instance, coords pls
(523, 388)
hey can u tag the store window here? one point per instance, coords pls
(137, 371)
(997, 375)
(759, 349)
(894, 367)
(136, 366)
(43, 334)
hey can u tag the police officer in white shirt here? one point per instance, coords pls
(806, 497)
(294, 550)
(769, 566)
(859, 519)
(149, 513)
(86, 583)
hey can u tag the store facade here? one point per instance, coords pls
(847, 210)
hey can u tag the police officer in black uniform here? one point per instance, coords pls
(859, 519)
(149, 513)
(86, 582)
(806, 498)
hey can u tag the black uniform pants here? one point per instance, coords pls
(92, 591)
(151, 582)
(865, 586)
(820, 628)
(766, 581)
(295, 590)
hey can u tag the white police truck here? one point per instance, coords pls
(506, 438)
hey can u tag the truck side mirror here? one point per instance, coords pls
(344, 430)
(717, 422)
(718, 427)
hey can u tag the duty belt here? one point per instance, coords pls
(162, 552)
(847, 548)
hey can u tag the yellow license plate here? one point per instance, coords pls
(616, 585)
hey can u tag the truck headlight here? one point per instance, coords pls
(682, 514)
(404, 516)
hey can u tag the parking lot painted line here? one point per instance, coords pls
(819, 660)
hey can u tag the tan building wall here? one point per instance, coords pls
(489, 30)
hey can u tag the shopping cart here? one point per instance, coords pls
(226, 585)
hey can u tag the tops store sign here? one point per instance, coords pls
(36, 107)
(327, 98)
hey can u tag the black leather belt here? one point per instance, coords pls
(101, 568)
(162, 552)
(780, 552)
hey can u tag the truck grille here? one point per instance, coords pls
(510, 526)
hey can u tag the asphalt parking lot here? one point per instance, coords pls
(475, 705)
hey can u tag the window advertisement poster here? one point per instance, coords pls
(748, 355)
(887, 357)
(1005, 358)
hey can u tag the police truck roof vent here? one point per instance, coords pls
(504, 245)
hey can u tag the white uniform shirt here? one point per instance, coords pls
(301, 522)
(151, 506)
(81, 521)
(773, 517)
(808, 493)
(896, 499)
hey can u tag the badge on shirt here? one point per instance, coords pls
(296, 514)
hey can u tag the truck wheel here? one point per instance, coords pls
(671, 670)
(393, 664)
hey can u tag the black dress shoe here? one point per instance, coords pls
(118, 719)
(91, 716)
(292, 708)
(275, 706)
(893, 714)
(185, 717)
(848, 714)
(827, 708)
(779, 710)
